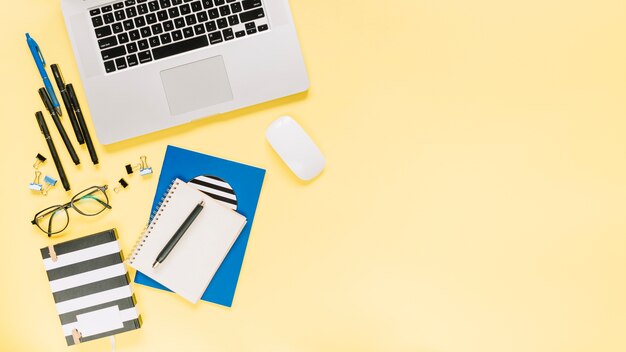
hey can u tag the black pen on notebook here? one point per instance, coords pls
(178, 235)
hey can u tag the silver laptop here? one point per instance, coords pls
(151, 64)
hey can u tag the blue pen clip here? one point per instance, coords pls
(43, 61)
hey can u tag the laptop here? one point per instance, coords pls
(147, 65)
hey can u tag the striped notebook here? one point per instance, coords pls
(90, 286)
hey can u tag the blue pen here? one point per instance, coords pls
(41, 65)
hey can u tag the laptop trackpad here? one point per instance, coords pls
(196, 85)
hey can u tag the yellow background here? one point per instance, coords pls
(473, 200)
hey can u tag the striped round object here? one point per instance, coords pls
(217, 189)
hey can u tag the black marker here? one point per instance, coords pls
(43, 93)
(178, 235)
(81, 121)
(55, 156)
(58, 77)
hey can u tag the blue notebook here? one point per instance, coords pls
(237, 186)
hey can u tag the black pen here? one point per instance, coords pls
(48, 104)
(55, 156)
(178, 235)
(81, 121)
(58, 77)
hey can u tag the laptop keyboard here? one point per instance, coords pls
(135, 32)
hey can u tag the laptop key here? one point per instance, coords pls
(222, 23)
(154, 41)
(117, 28)
(207, 4)
(94, 12)
(109, 66)
(213, 14)
(107, 9)
(121, 63)
(199, 29)
(228, 34)
(263, 27)
(145, 32)
(108, 18)
(250, 25)
(210, 26)
(177, 35)
(103, 31)
(132, 60)
(202, 16)
(144, 56)
(118, 5)
(165, 38)
(162, 15)
(188, 32)
(233, 20)
(113, 53)
(119, 15)
(143, 44)
(107, 42)
(250, 4)
(240, 34)
(153, 6)
(177, 2)
(225, 10)
(129, 25)
(191, 20)
(251, 15)
(157, 29)
(134, 35)
(151, 18)
(179, 22)
(180, 47)
(131, 12)
(168, 26)
(140, 22)
(130, 2)
(97, 21)
(173, 12)
(142, 9)
(219, 2)
(123, 38)
(251, 31)
(131, 48)
(236, 7)
(185, 9)
(196, 6)
(165, 4)
(215, 37)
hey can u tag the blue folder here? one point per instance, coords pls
(245, 180)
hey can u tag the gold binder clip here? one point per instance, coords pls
(39, 159)
(36, 184)
(76, 335)
(142, 166)
(122, 184)
(53, 254)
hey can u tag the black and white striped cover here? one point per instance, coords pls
(217, 189)
(89, 279)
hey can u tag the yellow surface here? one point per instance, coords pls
(473, 200)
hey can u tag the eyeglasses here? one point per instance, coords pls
(90, 202)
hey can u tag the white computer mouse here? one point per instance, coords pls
(296, 148)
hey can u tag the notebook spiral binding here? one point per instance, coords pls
(154, 218)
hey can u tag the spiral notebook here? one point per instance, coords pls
(190, 266)
(90, 287)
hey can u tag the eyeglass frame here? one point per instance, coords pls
(53, 209)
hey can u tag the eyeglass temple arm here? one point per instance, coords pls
(96, 199)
